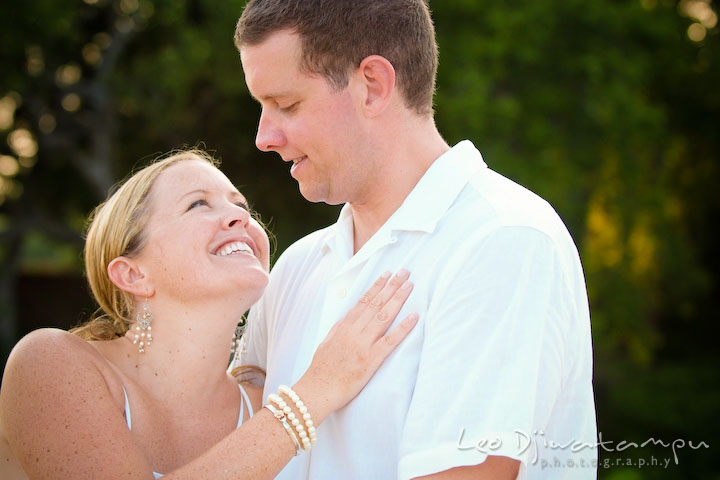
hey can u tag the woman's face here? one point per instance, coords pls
(200, 240)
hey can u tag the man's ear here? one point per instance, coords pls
(377, 75)
(128, 276)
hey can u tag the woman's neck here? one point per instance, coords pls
(189, 352)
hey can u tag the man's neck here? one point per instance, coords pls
(407, 162)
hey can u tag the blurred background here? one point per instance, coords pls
(609, 109)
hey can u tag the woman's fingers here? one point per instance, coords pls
(392, 299)
(376, 297)
(356, 346)
(381, 298)
(372, 301)
(376, 310)
(364, 301)
(388, 342)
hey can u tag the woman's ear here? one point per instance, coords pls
(377, 75)
(128, 276)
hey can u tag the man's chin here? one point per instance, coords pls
(315, 195)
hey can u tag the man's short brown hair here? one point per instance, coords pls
(337, 35)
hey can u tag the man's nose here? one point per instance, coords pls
(270, 136)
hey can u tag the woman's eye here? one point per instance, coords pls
(197, 203)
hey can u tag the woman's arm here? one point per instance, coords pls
(59, 416)
(62, 421)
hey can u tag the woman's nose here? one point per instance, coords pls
(237, 216)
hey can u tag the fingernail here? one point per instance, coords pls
(406, 285)
(413, 317)
(386, 275)
(403, 273)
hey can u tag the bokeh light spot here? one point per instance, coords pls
(22, 143)
(696, 32)
(9, 166)
(71, 102)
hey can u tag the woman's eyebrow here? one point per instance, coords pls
(199, 190)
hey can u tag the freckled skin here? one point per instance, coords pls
(62, 398)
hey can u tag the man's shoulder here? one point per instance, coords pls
(500, 201)
(490, 199)
(494, 210)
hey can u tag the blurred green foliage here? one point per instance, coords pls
(609, 109)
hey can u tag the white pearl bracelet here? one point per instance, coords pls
(281, 417)
(306, 432)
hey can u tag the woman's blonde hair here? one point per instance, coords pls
(117, 228)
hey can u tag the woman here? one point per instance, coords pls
(174, 259)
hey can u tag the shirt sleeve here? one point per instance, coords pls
(492, 360)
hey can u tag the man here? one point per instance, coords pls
(495, 381)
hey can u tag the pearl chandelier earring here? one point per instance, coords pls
(143, 329)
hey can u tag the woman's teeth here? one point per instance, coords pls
(235, 247)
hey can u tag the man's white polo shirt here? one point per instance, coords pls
(501, 360)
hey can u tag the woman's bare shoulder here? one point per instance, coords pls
(50, 349)
(47, 361)
(55, 398)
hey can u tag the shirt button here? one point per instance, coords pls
(393, 240)
(341, 292)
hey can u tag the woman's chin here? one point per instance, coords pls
(253, 286)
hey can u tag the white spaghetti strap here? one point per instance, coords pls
(245, 401)
(127, 410)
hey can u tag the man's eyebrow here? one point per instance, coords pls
(270, 96)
